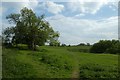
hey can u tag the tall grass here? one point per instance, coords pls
(57, 62)
(98, 71)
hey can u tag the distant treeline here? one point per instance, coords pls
(81, 44)
(106, 46)
(103, 46)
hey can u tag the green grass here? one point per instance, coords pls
(58, 62)
(0, 61)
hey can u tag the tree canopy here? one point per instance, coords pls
(106, 46)
(29, 29)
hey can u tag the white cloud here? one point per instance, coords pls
(33, 3)
(113, 6)
(0, 9)
(79, 15)
(19, 0)
(19, 4)
(74, 31)
(61, 0)
(82, 6)
(91, 6)
(16, 6)
(52, 7)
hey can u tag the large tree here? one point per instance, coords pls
(30, 29)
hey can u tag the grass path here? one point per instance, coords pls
(75, 72)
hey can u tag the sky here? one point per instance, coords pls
(77, 21)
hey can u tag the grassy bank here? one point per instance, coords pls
(58, 62)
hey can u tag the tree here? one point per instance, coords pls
(81, 44)
(7, 34)
(53, 41)
(30, 29)
(63, 45)
(106, 46)
(88, 44)
(114, 49)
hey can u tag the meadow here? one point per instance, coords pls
(58, 62)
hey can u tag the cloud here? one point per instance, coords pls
(14, 6)
(52, 7)
(20, 0)
(19, 4)
(1, 11)
(74, 31)
(79, 15)
(113, 6)
(82, 6)
(90, 6)
(33, 3)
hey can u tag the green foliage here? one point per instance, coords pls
(63, 45)
(58, 62)
(92, 71)
(22, 47)
(29, 29)
(54, 39)
(106, 46)
(14, 68)
(7, 34)
(54, 43)
(81, 44)
(114, 49)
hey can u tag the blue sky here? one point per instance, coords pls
(77, 21)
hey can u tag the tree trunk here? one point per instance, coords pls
(33, 46)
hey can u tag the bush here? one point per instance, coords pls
(55, 43)
(82, 44)
(63, 45)
(104, 46)
(114, 49)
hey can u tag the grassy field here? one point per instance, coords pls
(58, 62)
(0, 61)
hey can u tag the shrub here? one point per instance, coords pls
(81, 44)
(54, 43)
(104, 46)
(114, 49)
(63, 45)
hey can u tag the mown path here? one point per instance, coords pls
(75, 72)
